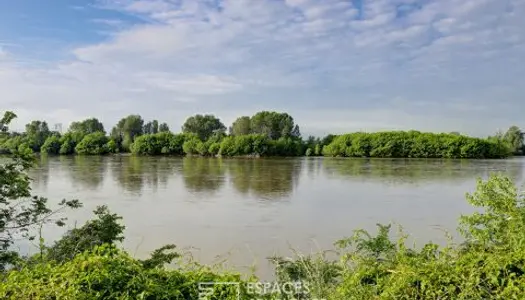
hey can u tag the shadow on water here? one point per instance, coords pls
(420, 171)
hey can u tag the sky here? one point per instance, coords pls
(335, 65)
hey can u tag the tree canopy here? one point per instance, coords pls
(275, 125)
(514, 137)
(204, 126)
(241, 126)
(127, 129)
(87, 126)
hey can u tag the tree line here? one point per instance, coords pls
(266, 133)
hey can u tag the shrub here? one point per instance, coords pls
(414, 144)
(160, 143)
(51, 145)
(93, 144)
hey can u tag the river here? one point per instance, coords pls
(248, 209)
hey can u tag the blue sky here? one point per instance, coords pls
(335, 65)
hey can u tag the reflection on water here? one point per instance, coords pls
(87, 172)
(203, 174)
(266, 178)
(134, 174)
(265, 205)
(417, 171)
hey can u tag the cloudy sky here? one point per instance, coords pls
(335, 65)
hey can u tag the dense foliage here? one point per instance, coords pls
(414, 144)
(204, 126)
(272, 124)
(160, 143)
(266, 133)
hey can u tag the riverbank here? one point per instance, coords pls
(488, 266)
(395, 144)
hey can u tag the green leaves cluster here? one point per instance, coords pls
(204, 126)
(274, 125)
(165, 143)
(414, 144)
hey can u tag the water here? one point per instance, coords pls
(248, 209)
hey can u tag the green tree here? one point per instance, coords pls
(36, 133)
(151, 127)
(327, 139)
(127, 129)
(69, 141)
(87, 126)
(241, 126)
(204, 126)
(20, 210)
(51, 145)
(273, 124)
(8, 117)
(93, 144)
(164, 127)
(514, 137)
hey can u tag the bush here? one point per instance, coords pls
(52, 145)
(112, 146)
(160, 143)
(105, 230)
(308, 152)
(192, 146)
(108, 273)
(414, 144)
(250, 144)
(93, 144)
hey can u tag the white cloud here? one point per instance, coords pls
(188, 56)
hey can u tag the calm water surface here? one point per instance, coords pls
(249, 209)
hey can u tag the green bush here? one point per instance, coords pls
(160, 143)
(308, 152)
(112, 146)
(93, 144)
(414, 144)
(69, 141)
(105, 230)
(192, 146)
(109, 273)
(250, 144)
(52, 145)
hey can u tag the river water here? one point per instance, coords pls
(248, 209)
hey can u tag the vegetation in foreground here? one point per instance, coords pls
(87, 263)
(263, 134)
